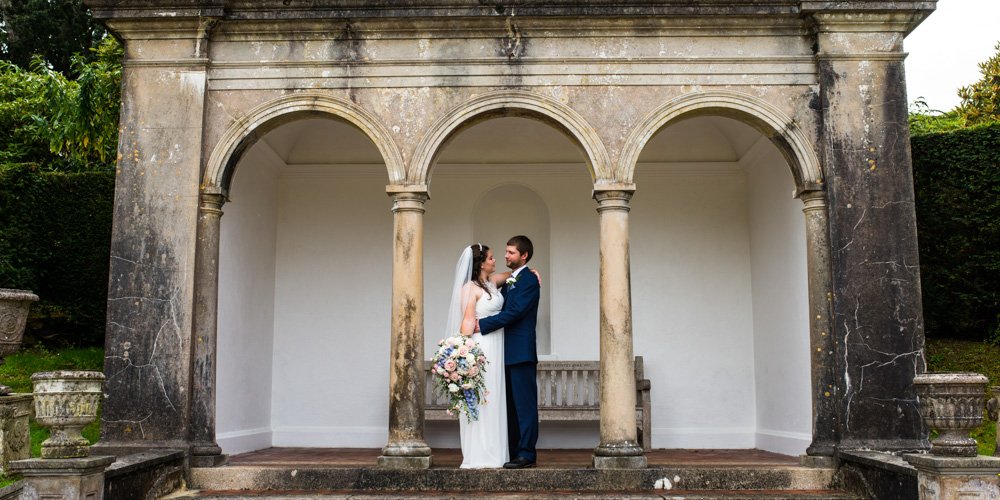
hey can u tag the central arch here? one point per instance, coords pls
(564, 118)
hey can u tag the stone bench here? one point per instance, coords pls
(568, 391)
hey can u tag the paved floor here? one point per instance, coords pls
(556, 459)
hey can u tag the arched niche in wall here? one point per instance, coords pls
(512, 209)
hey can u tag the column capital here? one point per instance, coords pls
(408, 198)
(613, 199)
(813, 200)
(211, 203)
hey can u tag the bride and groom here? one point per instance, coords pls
(499, 311)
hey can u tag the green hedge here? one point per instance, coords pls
(957, 183)
(55, 239)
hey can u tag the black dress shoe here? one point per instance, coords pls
(519, 463)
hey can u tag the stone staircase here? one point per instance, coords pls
(674, 482)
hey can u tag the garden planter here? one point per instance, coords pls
(953, 404)
(14, 305)
(65, 402)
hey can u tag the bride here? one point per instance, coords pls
(476, 295)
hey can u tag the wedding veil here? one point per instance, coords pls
(459, 299)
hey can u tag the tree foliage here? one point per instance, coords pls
(59, 122)
(981, 100)
(924, 120)
(55, 30)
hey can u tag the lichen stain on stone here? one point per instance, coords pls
(404, 241)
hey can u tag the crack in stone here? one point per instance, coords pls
(137, 423)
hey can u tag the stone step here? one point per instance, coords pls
(377, 481)
(525, 495)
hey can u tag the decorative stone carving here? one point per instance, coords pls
(66, 401)
(952, 403)
(15, 438)
(14, 305)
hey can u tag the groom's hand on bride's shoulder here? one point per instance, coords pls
(477, 327)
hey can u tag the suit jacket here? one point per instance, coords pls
(518, 318)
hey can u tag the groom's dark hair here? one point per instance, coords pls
(523, 245)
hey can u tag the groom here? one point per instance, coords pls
(518, 318)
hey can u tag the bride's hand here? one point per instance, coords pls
(538, 275)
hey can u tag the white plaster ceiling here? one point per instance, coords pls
(319, 141)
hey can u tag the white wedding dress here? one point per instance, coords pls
(484, 441)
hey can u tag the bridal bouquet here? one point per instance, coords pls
(458, 369)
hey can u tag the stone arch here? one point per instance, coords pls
(775, 125)
(528, 104)
(269, 115)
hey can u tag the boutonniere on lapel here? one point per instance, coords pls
(511, 282)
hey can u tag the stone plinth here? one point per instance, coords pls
(957, 478)
(15, 437)
(63, 479)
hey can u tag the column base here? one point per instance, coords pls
(957, 477)
(207, 455)
(626, 455)
(638, 462)
(821, 449)
(405, 455)
(390, 462)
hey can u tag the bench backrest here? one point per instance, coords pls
(560, 384)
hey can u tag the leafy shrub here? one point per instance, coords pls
(957, 183)
(55, 239)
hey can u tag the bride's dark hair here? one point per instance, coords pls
(479, 253)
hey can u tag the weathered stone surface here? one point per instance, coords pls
(957, 478)
(15, 436)
(62, 479)
(877, 315)
(882, 476)
(151, 474)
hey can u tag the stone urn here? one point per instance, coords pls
(65, 402)
(953, 404)
(14, 306)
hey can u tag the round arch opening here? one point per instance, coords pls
(304, 246)
(719, 285)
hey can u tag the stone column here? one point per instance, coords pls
(151, 293)
(877, 316)
(205, 452)
(406, 448)
(619, 447)
(821, 344)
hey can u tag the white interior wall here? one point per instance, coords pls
(699, 232)
(780, 303)
(246, 304)
(691, 308)
(332, 307)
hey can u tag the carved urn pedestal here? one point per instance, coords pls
(953, 403)
(66, 401)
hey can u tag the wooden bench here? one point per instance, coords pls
(568, 391)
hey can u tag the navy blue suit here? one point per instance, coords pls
(518, 318)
